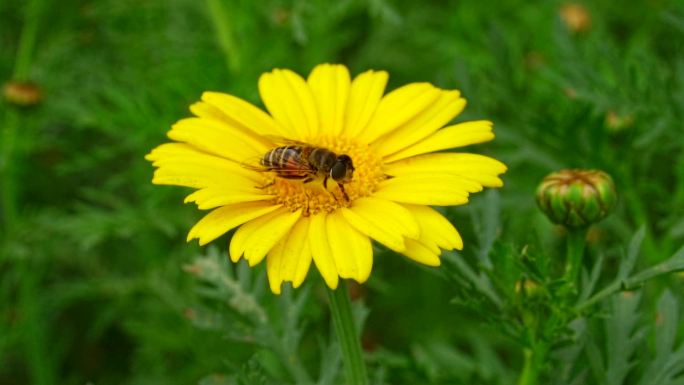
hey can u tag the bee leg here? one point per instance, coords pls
(307, 180)
(325, 182)
(308, 200)
(344, 193)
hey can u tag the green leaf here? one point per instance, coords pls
(331, 360)
(674, 263)
(487, 223)
(589, 282)
(567, 356)
(622, 337)
(628, 263)
(441, 361)
(479, 282)
(667, 365)
(596, 362)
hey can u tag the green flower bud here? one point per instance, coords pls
(576, 198)
(528, 288)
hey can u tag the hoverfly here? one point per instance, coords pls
(298, 160)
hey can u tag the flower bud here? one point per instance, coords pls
(528, 288)
(575, 17)
(22, 94)
(576, 198)
(616, 122)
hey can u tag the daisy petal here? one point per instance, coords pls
(458, 135)
(223, 219)
(398, 107)
(435, 228)
(257, 237)
(211, 197)
(290, 259)
(480, 168)
(236, 112)
(351, 250)
(219, 138)
(273, 262)
(396, 214)
(364, 96)
(320, 248)
(194, 174)
(434, 190)
(330, 87)
(375, 227)
(289, 100)
(181, 165)
(297, 253)
(442, 111)
(210, 111)
(172, 150)
(421, 253)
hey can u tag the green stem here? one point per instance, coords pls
(223, 27)
(8, 207)
(34, 331)
(22, 65)
(576, 241)
(529, 372)
(340, 307)
(29, 32)
(535, 358)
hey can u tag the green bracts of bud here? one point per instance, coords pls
(576, 198)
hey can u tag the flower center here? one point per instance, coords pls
(312, 196)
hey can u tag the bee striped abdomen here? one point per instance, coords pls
(288, 162)
(280, 157)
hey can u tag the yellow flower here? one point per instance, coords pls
(397, 174)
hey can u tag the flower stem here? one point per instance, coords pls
(528, 374)
(534, 360)
(22, 65)
(223, 28)
(27, 42)
(340, 307)
(8, 207)
(576, 241)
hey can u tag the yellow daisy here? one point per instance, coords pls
(397, 173)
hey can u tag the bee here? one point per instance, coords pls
(302, 161)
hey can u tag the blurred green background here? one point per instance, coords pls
(92, 285)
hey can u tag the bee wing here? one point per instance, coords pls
(281, 140)
(291, 168)
(254, 163)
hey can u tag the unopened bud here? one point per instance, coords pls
(22, 94)
(616, 122)
(528, 288)
(575, 17)
(576, 198)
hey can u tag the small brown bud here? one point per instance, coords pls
(616, 122)
(575, 17)
(22, 94)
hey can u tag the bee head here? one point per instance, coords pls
(343, 169)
